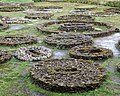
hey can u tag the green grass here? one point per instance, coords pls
(16, 1)
(15, 80)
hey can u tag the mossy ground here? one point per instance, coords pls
(14, 75)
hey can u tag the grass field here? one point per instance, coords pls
(14, 75)
(16, 1)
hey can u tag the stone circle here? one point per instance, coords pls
(39, 15)
(9, 20)
(14, 40)
(47, 28)
(11, 9)
(33, 53)
(90, 53)
(66, 40)
(76, 17)
(57, 75)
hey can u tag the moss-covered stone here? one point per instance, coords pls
(39, 15)
(57, 75)
(76, 17)
(4, 56)
(67, 40)
(17, 40)
(95, 33)
(90, 53)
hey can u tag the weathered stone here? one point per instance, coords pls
(17, 40)
(90, 53)
(67, 40)
(57, 75)
(33, 53)
(4, 56)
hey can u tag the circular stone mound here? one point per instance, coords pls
(68, 40)
(118, 67)
(85, 9)
(3, 26)
(33, 53)
(53, 27)
(113, 10)
(4, 56)
(9, 20)
(103, 14)
(11, 8)
(67, 75)
(39, 15)
(76, 17)
(17, 40)
(90, 53)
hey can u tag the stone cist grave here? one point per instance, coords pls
(57, 75)
(33, 53)
(54, 27)
(76, 17)
(39, 15)
(68, 40)
(11, 9)
(90, 53)
(4, 56)
(17, 40)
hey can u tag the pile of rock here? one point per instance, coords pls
(66, 40)
(4, 56)
(67, 75)
(17, 40)
(90, 53)
(33, 53)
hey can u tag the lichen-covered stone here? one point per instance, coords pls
(17, 40)
(33, 53)
(4, 56)
(67, 75)
(66, 40)
(90, 53)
